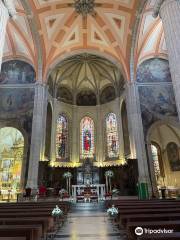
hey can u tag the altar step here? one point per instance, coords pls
(88, 207)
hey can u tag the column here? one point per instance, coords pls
(75, 135)
(36, 151)
(169, 11)
(99, 128)
(7, 9)
(137, 134)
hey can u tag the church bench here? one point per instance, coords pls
(12, 238)
(125, 219)
(31, 232)
(172, 236)
(120, 207)
(47, 223)
(149, 210)
(169, 225)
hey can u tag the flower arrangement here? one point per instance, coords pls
(56, 212)
(67, 175)
(62, 191)
(109, 173)
(113, 211)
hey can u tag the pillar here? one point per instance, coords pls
(137, 134)
(169, 11)
(75, 135)
(36, 150)
(7, 10)
(99, 128)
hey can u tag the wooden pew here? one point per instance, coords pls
(31, 232)
(173, 236)
(125, 219)
(168, 225)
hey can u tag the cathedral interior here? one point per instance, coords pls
(87, 90)
(89, 119)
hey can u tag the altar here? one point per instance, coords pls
(94, 192)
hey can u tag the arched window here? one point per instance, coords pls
(62, 138)
(155, 155)
(87, 148)
(112, 136)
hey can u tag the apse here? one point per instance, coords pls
(86, 80)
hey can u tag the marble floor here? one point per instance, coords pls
(88, 221)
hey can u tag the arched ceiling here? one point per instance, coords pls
(62, 30)
(19, 39)
(86, 72)
(46, 31)
(150, 36)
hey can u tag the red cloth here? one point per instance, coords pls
(42, 190)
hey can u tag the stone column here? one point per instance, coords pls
(7, 10)
(169, 11)
(136, 133)
(75, 135)
(36, 150)
(99, 135)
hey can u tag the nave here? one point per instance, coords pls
(89, 221)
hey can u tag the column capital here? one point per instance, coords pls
(10, 6)
(158, 5)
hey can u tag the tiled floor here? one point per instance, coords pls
(89, 222)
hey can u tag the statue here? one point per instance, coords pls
(9, 4)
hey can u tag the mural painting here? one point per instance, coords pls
(17, 72)
(154, 70)
(173, 156)
(157, 102)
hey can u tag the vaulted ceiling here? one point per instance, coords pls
(47, 31)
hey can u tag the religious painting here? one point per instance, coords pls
(108, 94)
(173, 156)
(17, 72)
(11, 158)
(157, 101)
(154, 70)
(112, 136)
(86, 98)
(62, 138)
(64, 95)
(87, 149)
(16, 102)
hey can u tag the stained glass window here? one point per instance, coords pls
(155, 157)
(87, 148)
(62, 138)
(112, 136)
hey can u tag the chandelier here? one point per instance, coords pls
(84, 7)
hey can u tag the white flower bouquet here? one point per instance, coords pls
(113, 211)
(57, 212)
